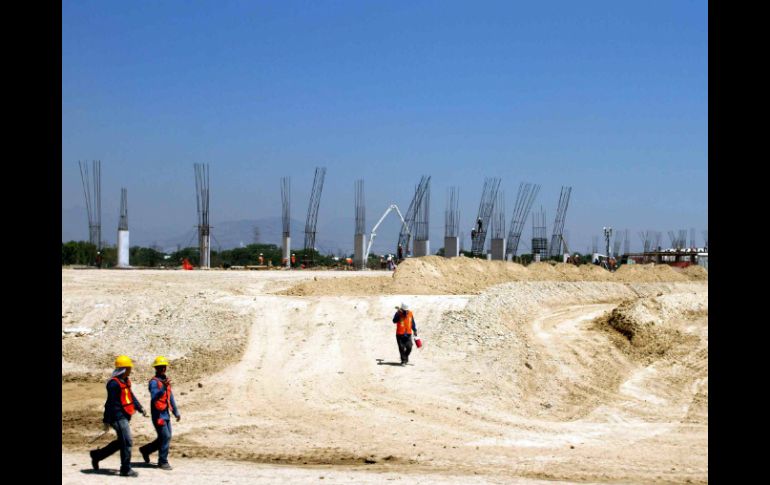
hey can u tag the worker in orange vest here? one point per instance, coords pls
(293, 259)
(405, 327)
(161, 406)
(120, 406)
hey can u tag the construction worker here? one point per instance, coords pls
(405, 326)
(261, 259)
(162, 401)
(121, 404)
(293, 259)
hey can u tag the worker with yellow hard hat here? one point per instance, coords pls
(121, 404)
(162, 401)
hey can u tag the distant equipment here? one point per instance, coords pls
(404, 228)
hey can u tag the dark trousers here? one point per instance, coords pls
(122, 443)
(404, 346)
(161, 443)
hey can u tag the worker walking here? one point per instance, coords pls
(261, 259)
(293, 259)
(121, 404)
(405, 326)
(162, 401)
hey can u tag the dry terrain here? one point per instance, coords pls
(543, 374)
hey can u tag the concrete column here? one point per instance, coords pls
(451, 247)
(205, 251)
(422, 248)
(123, 249)
(498, 249)
(359, 248)
(536, 258)
(286, 252)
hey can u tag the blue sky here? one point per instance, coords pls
(608, 97)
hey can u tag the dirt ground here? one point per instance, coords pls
(523, 380)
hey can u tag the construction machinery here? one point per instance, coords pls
(374, 229)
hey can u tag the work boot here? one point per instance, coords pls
(165, 466)
(94, 461)
(145, 455)
(129, 473)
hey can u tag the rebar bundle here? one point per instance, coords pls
(692, 238)
(646, 237)
(93, 197)
(658, 240)
(312, 215)
(682, 240)
(123, 221)
(360, 207)
(626, 243)
(487, 204)
(286, 205)
(539, 234)
(498, 217)
(524, 200)
(616, 244)
(452, 213)
(594, 244)
(410, 216)
(558, 224)
(422, 216)
(202, 198)
(706, 238)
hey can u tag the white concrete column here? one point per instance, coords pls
(123, 249)
(286, 252)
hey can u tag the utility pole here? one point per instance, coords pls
(607, 236)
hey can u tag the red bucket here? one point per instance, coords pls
(418, 342)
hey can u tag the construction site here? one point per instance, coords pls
(555, 368)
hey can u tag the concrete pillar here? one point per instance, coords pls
(451, 247)
(359, 248)
(498, 249)
(422, 248)
(286, 252)
(123, 249)
(536, 258)
(205, 247)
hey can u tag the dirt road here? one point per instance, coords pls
(313, 385)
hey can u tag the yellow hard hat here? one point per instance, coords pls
(123, 361)
(160, 360)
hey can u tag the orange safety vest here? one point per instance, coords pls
(125, 396)
(405, 325)
(163, 401)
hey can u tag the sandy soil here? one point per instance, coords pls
(574, 381)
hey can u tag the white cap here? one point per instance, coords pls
(404, 306)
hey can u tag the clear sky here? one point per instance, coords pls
(608, 97)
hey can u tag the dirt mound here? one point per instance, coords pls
(435, 275)
(647, 325)
(696, 272)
